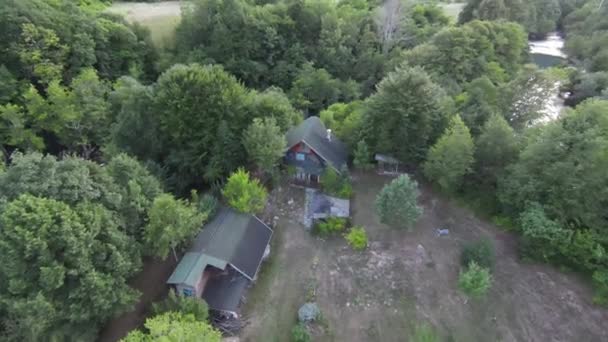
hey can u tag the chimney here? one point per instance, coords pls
(328, 134)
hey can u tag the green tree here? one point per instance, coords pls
(315, 89)
(363, 156)
(173, 326)
(264, 143)
(272, 102)
(9, 86)
(475, 281)
(480, 100)
(457, 55)
(405, 114)
(134, 129)
(243, 193)
(345, 120)
(194, 104)
(183, 305)
(496, 147)
(77, 116)
(451, 158)
(138, 189)
(396, 204)
(41, 51)
(171, 222)
(76, 251)
(563, 169)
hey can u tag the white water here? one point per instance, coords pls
(552, 46)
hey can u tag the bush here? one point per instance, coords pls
(424, 333)
(480, 252)
(542, 238)
(475, 280)
(357, 238)
(336, 184)
(184, 305)
(600, 282)
(362, 156)
(396, 203)
(330, 226)
(299, 333)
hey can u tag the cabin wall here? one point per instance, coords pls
(308, 165)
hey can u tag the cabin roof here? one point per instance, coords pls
(313, 133)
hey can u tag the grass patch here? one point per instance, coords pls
(270, 268)
(453, 10)
(162, 29)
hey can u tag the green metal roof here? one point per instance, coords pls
(230, 238)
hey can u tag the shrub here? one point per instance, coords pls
(424, 333)
(542, 238)
(331, 226)
(336, 184)
(600, 282)
(481, 252)
(363, 156)
(357, 238)
(396, 203)
(475, 280)
(243, 193)
(184, 305)
(299, 333)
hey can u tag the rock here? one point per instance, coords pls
(290, 202)
(308, 312)
(276, 218)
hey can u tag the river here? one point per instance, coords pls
(548, 53)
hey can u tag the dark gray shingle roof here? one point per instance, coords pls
(312, 132)
(235, 238)
(224, 291)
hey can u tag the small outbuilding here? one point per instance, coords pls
(223, 260)
(387, 164)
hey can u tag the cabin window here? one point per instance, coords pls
(300, 156)
(188, 292)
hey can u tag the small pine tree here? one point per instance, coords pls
(363, 156)
(396, 203)
(451, 158)
(475, 281)
(243, 193)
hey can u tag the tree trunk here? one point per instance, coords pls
(174, 253)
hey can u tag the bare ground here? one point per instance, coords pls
(408, 278)
(150, 282)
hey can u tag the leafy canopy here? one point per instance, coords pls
(451, 158)
(243, 193)
(396, 204)
(55, 257)
(174, 327)
(171, 222)
(475, 281)
(264, 143)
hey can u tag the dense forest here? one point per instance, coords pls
(101, 131)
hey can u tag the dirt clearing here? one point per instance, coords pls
(409, 278)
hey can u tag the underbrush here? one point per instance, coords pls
(330, 226)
